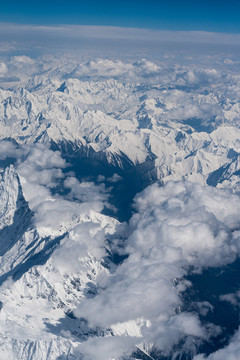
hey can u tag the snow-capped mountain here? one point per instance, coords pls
(39, 273)
(119, 197)
(190, 134)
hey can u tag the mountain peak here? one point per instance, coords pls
(9, 193)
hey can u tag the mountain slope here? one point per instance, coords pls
(41, 273)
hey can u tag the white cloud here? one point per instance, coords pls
(40, 171)
(104, 67)
(22, 59)
(198, 77)
(85, 240)
(107, 348)
(115, 178)
(192, 219)
(8, 149)
(176, 226)
(86, 191)
(41, 166)
(147, 68)
(233, 298)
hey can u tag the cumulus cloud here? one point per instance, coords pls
(180, 105)
(42, 166)
(178, 226)
(198, 77)
(105, 348)
(85, 240)
(22, 59)
(9, 149)
(147, 68)
(115, 178)
(85, 191)
(119, 69)
(104, 68)
(189, 217)
(40, 171)
(19, 67)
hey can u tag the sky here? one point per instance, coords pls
(219, 16)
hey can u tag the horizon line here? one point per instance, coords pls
(116, 27)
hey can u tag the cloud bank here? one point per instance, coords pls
(37, 39)
(177, 227)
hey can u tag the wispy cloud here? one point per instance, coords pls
(47, 39)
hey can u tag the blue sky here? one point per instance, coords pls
(211, 15)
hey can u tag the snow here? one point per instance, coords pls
(184, 133)
(62, 295)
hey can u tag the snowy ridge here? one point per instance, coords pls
(9, 192)
(184, 133)
(44, 280)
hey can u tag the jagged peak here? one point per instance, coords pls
(10, 190)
